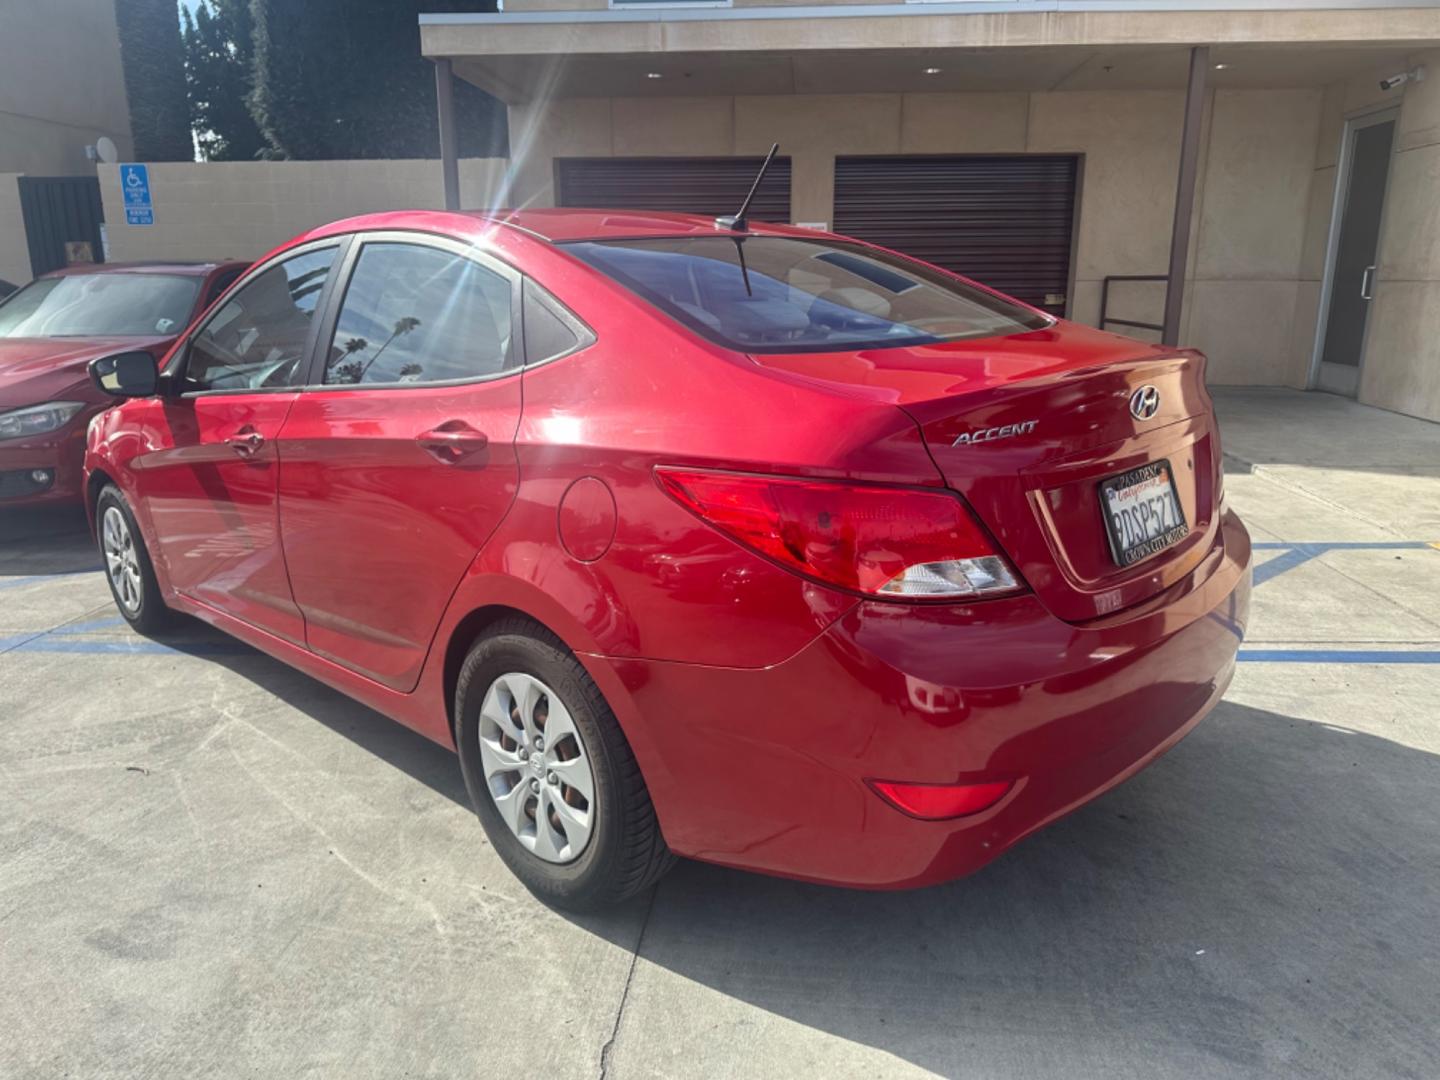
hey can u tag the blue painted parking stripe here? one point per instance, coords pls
(50, 644)
(1298, 553)
(14, 641)
(1338, 656)
(35, 579)
(1340, 545)
(1272, 568)
(93, 624)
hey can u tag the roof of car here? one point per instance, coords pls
(562, 224)
(196, 268)
(556, 226)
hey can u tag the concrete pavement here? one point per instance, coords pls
(211, 865)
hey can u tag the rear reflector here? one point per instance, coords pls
(935, 802)
(881, 541)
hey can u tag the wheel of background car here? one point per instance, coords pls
(128, 570)
(551, 775)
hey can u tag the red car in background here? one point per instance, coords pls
(752, 544)
(51, 329)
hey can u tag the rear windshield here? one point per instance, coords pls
(767, 294)
(101, 305)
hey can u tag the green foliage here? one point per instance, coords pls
(345, 79)
(154, 67)
(219, 74)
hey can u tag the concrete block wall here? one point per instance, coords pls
(14, 251)
(1244, 304)
(222, 210)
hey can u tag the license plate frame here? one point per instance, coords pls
(1128, 515)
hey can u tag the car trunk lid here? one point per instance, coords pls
(1027, 427)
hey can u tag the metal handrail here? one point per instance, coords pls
(1105, 301)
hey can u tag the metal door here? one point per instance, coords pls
(681, 185)
(1005, 221)
(62, 217)
(1354, 243)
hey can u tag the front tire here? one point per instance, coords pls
(552, 778)
(128, 569)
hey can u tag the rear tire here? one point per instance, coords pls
(571, 851)
(127, 566)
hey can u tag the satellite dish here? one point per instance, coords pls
(105, 150)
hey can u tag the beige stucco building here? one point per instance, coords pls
(61, 89)
(856, 93)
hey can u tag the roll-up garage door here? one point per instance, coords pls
(1005, 221)
(710, 186)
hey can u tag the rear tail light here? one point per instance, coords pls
(935, 802)
(880, 541)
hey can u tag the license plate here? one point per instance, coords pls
(1142, 512)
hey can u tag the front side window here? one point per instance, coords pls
(112, 304)
(782, 294)
(221, 283)
(257, 339)
(417, 314)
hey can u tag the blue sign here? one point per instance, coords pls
(135, 188)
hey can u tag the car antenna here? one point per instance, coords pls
(736, 222)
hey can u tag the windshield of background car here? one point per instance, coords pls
(781, 294)
(101, 305)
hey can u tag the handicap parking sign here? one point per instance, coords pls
(135, 188)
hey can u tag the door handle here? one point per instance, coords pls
(452, 441)
(246, 442)
(1367, 284)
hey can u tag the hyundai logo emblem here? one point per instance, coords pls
(1144, 403)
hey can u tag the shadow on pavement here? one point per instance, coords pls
(1261, 900)
(45, 541)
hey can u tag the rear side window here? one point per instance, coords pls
(791, 294)
(417, 314)
(548, 333)
(257, 339)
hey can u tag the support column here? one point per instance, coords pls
(449, 151)
(1185, 192)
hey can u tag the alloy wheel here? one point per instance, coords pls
(122, 562)
(536, 768)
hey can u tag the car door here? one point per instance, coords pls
(208, 481)
(399, 457)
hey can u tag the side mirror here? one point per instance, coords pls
(126, 375)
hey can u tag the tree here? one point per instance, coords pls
(345, 79)
(220, 75)
(154, 67)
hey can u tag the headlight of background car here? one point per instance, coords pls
(37, 419)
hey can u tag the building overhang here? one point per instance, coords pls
(1009, 45)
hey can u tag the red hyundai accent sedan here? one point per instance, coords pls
(764, 547)
(50, 331)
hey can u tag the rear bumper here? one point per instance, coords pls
(765, 769)
(61, 454)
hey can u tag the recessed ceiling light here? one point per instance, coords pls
(932, 71)
(653, 75)
(1221, 67)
